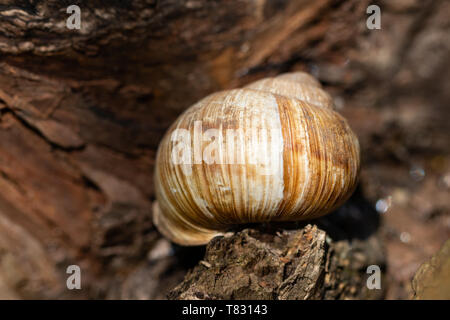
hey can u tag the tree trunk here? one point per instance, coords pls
(82, 113)
(297, 264)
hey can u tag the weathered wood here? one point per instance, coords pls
(82, 111)
(297, 264)
(432, 280)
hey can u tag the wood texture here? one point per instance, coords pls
(82, 112)
(303, 264)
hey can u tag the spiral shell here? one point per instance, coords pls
(309, 159)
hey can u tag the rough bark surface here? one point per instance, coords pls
(296, 264)
(432, 280)
(82, 112)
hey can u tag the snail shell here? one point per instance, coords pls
(310, 159)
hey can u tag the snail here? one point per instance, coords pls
(274, 150)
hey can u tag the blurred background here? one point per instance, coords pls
(82, 112)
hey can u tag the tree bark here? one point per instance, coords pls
(297, 264)
(432, 280)
(82, 113)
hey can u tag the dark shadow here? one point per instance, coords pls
(356, 219)
(188, 257)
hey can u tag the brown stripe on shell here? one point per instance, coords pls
(293, 148)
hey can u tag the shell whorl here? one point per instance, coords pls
(310, 167)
